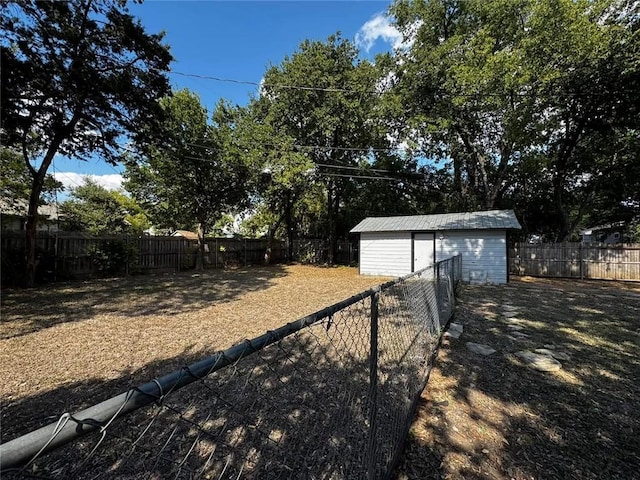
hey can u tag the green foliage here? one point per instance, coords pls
(83, 75)
(15, 181)
(96, 210)
(194, 175)
(111, 257)
(523, 103)
(308, 190)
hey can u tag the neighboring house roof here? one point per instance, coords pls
(489, 220)
(186, 234)
(602, 228)
(19, 208)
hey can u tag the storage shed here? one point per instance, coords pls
(397, 246)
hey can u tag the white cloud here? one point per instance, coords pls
(71, 180)
(379, 26)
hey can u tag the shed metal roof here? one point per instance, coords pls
(489, 220)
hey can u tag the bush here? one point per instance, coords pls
(111, 257)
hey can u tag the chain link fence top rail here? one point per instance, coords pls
(330, 396)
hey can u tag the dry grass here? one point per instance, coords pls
(494, 418)
(67, 346)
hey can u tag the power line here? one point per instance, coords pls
(377, 92)
(311, 147)
(324, 165)
(367, 170)
(273, 85)
(404, 175)
(364, 177)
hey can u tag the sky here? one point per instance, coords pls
(239, 40)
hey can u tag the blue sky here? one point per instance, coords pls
(239, 40)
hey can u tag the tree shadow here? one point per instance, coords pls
(303, 407)
(28, 311)
(516, 422)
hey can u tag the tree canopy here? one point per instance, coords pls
(531, 105)
(523, 103)
(195, 174)
(94, 209)
(84, 76)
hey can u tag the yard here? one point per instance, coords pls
(492, 417)
(480, 417)
(66, 347)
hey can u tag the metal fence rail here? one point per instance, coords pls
(329, 396)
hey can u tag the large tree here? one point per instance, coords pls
(84, 75)
(493, 88)
(195, 174)
(321, 101)
(282, 177)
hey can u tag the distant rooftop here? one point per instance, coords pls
(489, 220)
(19, 208)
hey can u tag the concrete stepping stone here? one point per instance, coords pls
(544, 363)
(480, 348)
(454, 331)
(552, 353)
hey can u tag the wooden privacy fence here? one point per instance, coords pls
(76, 256)
(576, 260)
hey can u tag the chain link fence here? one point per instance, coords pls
(330, 396)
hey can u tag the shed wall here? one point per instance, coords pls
(385, 253)
(484, 253)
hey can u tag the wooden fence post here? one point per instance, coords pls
(580, 257)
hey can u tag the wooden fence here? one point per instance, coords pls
(77, 256)
(68, 256)
(576, 260)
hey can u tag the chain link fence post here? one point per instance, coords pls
(373, 385)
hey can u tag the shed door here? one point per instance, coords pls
(423, 245)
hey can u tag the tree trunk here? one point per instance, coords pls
(288, 223)
(61, 132)
(200, 257)
(331, 222)
(563, 216)
(32, 220)
(31, 235)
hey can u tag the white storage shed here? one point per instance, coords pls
(397, 246)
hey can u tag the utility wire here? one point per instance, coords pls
(339, 167)
(375, 92)
(273, 85)
(402, 176)
(311, 147)
(364, 177)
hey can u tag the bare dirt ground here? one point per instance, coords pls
(493, 417)
(68, 346)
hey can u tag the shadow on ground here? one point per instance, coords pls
(299, 408)
(493, 417)
(28, 311)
